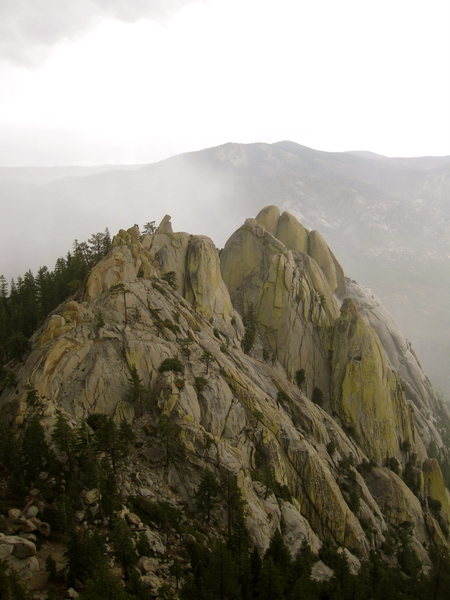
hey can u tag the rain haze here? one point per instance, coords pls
(98, 95)
(107, 81)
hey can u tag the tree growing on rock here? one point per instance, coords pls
(137, 393)
(150, 227)
(124, 549)
(206, 359)
(249, 322)
(169, 433)
(119, 288)
(207, 495)
(37, 454)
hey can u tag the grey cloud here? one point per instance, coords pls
(28, 28)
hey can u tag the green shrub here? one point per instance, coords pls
(185, 350)
(50, 567)
(162, 514)
(142, 545)
(171, 364)
(365, 466)
(300, 377)
(7, 378)
(331, 447)
(249, 321)
(434, 505)
(282, 397)
(17, 345)
(171, 326)
(171, 278)
(411, 476)
(354, 500)
(392, 463)
(317, 396)
(200, 384)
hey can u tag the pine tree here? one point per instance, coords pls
(109, 493)
(137, 393)
(207, 494)
(124, 549)
(119, 288)
(11, 587)
(270, 584)
(64, 438)
(45, 291)
(36, 452)
(278, 552)
(104, 586)
(237, 535)
(106, 243)
(249, 322)
(149, 228)
(65, 513)
(220, 580)
(110, 439)
(85, 555)
(206, 359)
(169, 434)
(11, 460)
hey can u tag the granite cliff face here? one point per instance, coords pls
(327, 398)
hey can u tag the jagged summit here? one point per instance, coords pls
(277, 365)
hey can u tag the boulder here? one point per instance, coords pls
(152, 581)
(147, 565)
(23, 548)
(133, 520)
(319, 251)
(297, 530)
(354, 564)
(25, 568)
(155, 542)
(292, 233)
(268, 217)
(165, 226)
(205, 289)
(28, 525)
(32, 511)
(16, 546)
(15, 516)
(91, 497)
(56, 326)
(320, 571)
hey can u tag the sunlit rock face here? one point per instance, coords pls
(303, 378)
(367, 394)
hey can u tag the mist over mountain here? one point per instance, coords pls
(388, 219)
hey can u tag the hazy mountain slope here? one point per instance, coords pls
(388, 219)
(42, 175)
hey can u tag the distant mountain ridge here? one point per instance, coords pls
(388, 219)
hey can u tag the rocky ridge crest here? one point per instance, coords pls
(327, 395)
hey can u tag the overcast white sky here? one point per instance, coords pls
(117, 81)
